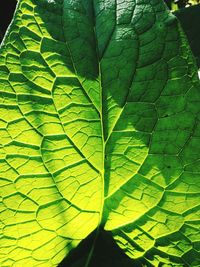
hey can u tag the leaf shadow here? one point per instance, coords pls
(106, 253)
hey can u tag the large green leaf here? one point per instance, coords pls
(99, 126)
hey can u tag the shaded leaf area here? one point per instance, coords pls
(190, 21)
(188, 17)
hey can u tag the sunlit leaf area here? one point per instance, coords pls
(99, 134)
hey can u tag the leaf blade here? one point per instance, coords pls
(87, 115)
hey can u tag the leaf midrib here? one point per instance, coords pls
(105, 139)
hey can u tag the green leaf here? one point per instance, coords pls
(99, 128)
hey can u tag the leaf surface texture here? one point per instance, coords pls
(99, 127)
